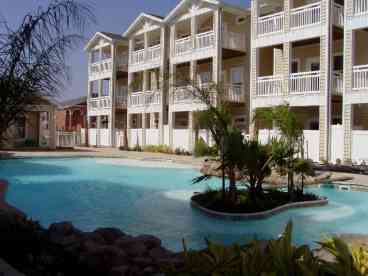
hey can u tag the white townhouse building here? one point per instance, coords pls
(355, 103)
(147, 71)
(297, 58)
(107, 89)
(203, 41)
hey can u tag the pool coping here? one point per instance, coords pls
(259, 215)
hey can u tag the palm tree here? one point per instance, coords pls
(285, 148)
(303, 167)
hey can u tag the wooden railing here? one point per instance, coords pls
(271, 24)
(154, 53)
(360, 6)
(205, 40)
(138, 57)
(202, 41)
(305, 82)
(183, 46)
(338, 14)
(305, 16)
(269, 86)
(360, 77)
(138, 99)
(101, 67)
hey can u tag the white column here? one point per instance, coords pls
(217, 60)
(144, 120)
(172, 40)
(193, 72)
(193, 29)
(112, 94)
(162, 85)
(171, 128)
(191, 131)
(52, 126)
(146, 44)
(98, 131)
(130, 88)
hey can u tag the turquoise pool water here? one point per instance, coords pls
(93, 193)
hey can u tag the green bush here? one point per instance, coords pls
(202, 149)
(278, 257)
(29, 143)
(158, 149)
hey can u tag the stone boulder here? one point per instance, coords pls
(110, 235)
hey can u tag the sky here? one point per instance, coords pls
(112, 16)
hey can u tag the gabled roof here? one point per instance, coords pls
(183, 3)
(111, 37)
(140, 18)
(73, 102)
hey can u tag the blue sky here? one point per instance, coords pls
(112, 15)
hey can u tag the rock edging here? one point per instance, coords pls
(259, 215)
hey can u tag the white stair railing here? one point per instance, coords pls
(360, 6)
(138, 57)
(338, 82)
(154, 53)
(101, 67)
(338, 14)
(183, 46)
(205, 40)
(360, 77)
(136, 99)
(269, 86)
(306, 15)
(235, 93)
(304, 82)
(271, 24)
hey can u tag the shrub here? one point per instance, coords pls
(159, 149)
(29, 143)
(181, 151)
(202, 149)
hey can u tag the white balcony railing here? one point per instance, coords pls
(183, 46)
(101, 67)
(154, 53)
(360, 77)
(305, 82)
(66, 139)
(338, 14)
(305, 16)
(269, 86)
(235, 93)
(338, 82)
(205, 40)
(98, 104)
(138, 57)
(202, 41)
(233, 40)
(360, 6)
(271, 24)
(138, 99)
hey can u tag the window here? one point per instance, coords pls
(314, 66)
(236, 76)
(20, 128)
(205, 77)
(105, 87)
(104, 122)
(94, 89)
(95, 56)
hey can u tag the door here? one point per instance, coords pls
(313, 64)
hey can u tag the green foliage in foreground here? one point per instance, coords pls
(273, 258)
(202, 149)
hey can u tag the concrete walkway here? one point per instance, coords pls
(106, 153)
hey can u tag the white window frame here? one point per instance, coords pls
(233, 69)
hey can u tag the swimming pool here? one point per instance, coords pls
(99, 193)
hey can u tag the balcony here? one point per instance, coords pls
(122, 62)
(360, 77)
(304, 83)
(269, 86)
(144, 99)
(101, 67)
(142, 57)
(360, 7)
(305, 16)
(271, 24)
(202, 41)
(235, 93)
(99, 106)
